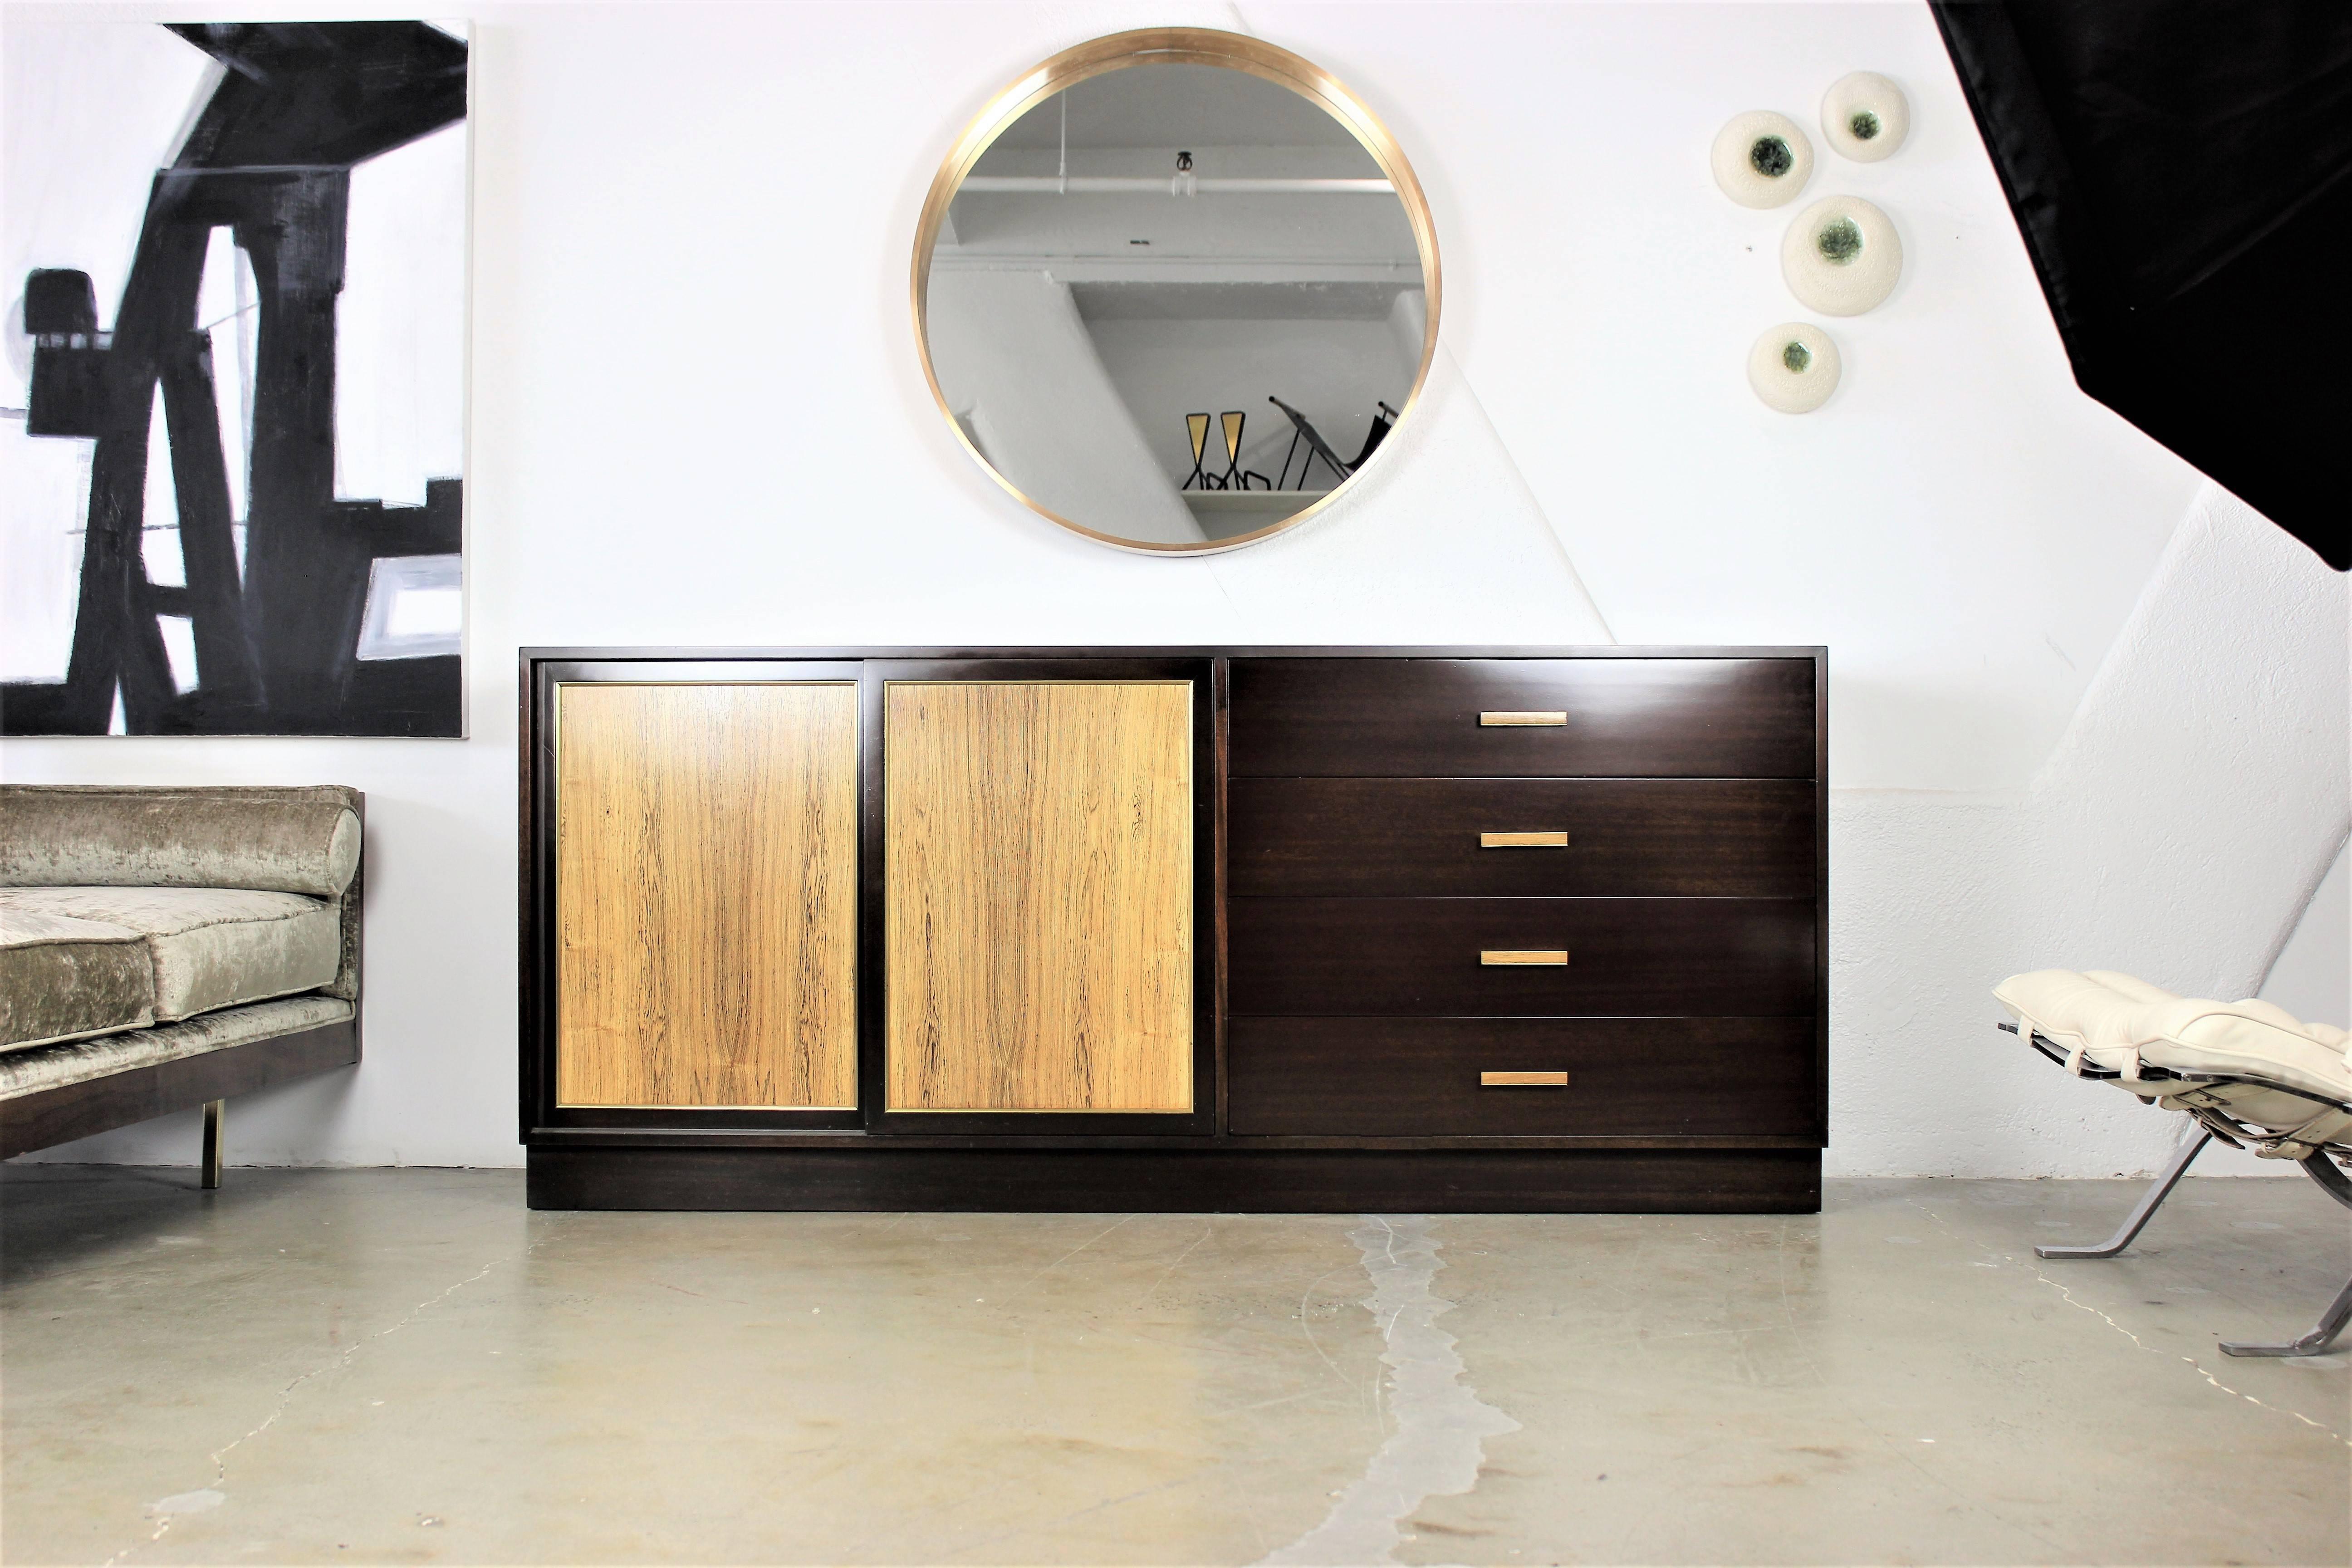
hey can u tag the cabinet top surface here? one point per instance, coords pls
(1568, 650)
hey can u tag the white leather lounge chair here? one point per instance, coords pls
(2251, 1074)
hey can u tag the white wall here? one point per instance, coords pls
(697, 417)
(2177, 833)
(2311, 978)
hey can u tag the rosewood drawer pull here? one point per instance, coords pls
(1549, 955)
(1521, 720)
(1522, 1081)
(1551, 840)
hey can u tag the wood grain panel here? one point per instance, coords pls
(1406, 1077)
(706, 891)
(1724, 839)
(1419, 957)
(1411, 718)
(1038, 896)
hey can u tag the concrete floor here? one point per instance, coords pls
(370, 1366)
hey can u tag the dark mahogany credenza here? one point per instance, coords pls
(1418, 929)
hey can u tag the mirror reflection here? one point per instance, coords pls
(1176, 305)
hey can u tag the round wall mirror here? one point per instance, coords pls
(1175, 288)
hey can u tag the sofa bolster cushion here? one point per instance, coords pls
(66, 979)
(209, 947)
(284, 840)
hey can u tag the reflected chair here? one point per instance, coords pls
(1196, 427)
(1384, 419)
(1236, 477)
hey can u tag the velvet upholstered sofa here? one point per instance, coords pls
(166, 948)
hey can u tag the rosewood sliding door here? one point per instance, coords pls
(705, 894)
(1038, 886)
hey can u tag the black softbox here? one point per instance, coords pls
(2182, 172)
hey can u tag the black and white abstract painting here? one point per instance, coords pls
(231, 463)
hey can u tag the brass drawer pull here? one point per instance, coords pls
(1521, 720)
(1555, 841)
(1550, 955)
(1522, 1081)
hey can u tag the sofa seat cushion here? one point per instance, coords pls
(62, 978)
(2118, 1022)
(209, 947)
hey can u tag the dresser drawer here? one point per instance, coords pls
(1421, 1078)
(1736, 839)
(1522, 717)
(1427, 957)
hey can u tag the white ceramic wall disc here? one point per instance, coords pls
(1762, 159)
(1841, 257)
(1793, 367)
(1865, 117)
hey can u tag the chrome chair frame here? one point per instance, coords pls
(2320, 1165)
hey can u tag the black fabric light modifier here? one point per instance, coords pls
(2182, 174)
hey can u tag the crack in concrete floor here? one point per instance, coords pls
(1437, 1424)
(2201, 1369)
(2066, 1294)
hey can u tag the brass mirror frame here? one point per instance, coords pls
(1175, 45)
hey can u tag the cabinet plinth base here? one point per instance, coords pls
(1220, 1180)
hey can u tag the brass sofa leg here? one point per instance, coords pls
(211, 1162)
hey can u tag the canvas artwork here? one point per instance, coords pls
(232, 471)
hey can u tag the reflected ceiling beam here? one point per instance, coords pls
(1119, 268)
(1180, 186)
